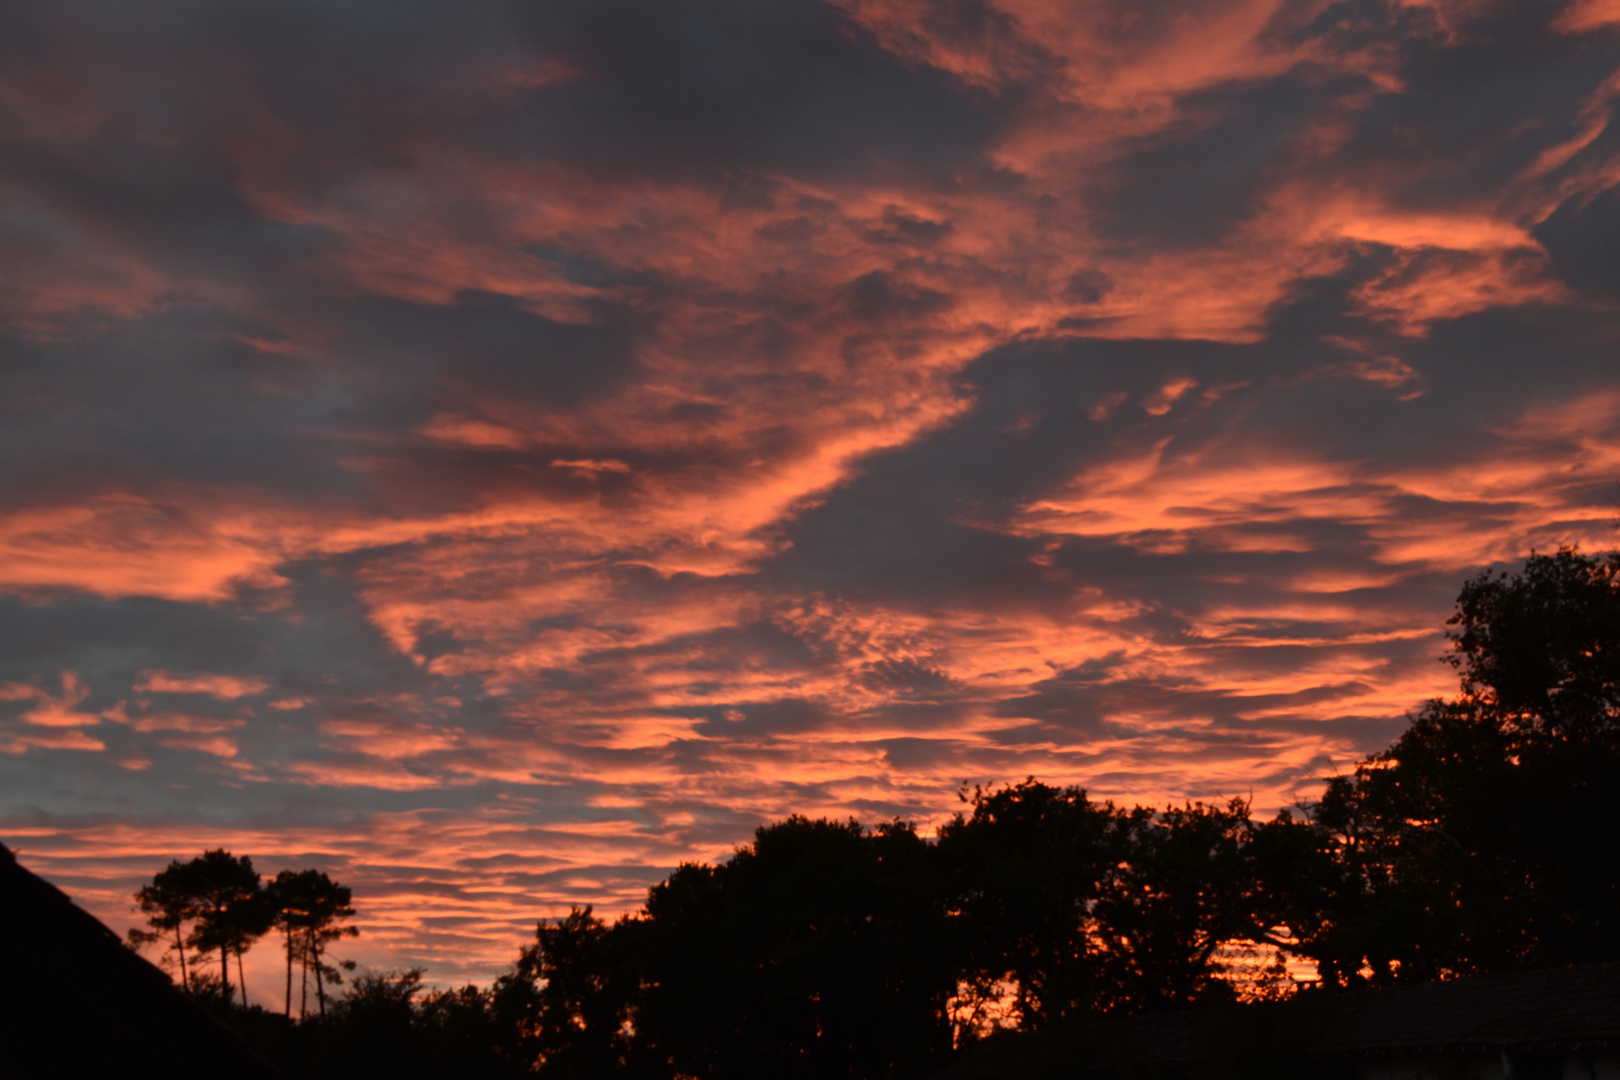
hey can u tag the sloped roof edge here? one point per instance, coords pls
(72, 994)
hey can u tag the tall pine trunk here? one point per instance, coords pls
(225, 970)
(180, 947)
(289, 972)
(241, 980)
(320, 988)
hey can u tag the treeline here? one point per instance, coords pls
(1485, 839)
(218, 903)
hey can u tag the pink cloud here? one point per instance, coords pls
(595, 501)
(221, 687)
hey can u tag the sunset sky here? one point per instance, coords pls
(496, 451)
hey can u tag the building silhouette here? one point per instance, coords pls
(76, 1002)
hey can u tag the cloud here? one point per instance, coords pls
(52, 722)
(223, 687)
(497, 456)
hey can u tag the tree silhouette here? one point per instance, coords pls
(1540, 650)
(218, 895)
(1066, 907)
(568, 997)
(307, 906)
(168, 903)
(1482, 840)
(228, 907)
(815, 951)
(286, 914)
(1024, 868)
(1179, 891)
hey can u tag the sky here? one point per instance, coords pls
(494, 452)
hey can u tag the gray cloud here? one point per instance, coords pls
(551, 439)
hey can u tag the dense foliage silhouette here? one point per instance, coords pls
(1483, 840)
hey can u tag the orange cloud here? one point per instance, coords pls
(124, 545)
(1586, 15)
(52, 710)
(222, 687)
(57, 714)
(1126, 438)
